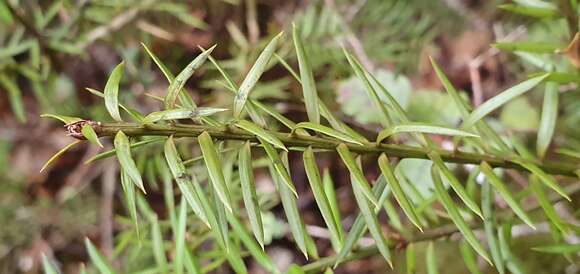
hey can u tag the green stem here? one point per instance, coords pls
(294, 140)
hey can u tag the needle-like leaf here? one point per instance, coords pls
(306, 78)
(328, 131)
(260, 132)
(123, 151)
(97, 259)
(421, 128)
(468, 258)
(214, 169)
(130, 197)
(549, 116)
(179, 238)
(278, 165)
(505, 193)
(352, 167)
(112, 92)
(547, 179)
(456, 217)
(249, 193)
(487, 202)
(158, 247)
(398, 191)
(431, 259)
(47, 265)
(547, 206)
(180, 113)
(558, 249)
(177, 84)
(410, 259)
(254, 75)
(89, 133)
(62, 118)
(58, 154)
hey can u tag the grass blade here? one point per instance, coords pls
(505, 193)
(371, 220)
(328, 131)
(321, 199)
(306, 78)
(261, 133)
(97, 258)
(177, 84)
(112, 92)
(214, 169)
(123, 151)
(254, 75)
(249, 193)
(456, 217)
(548, 120)
(89, 133)
(180, 113)
(278, 166)
(184, 182)
(398, 191)
(431, 260)
(502, 98)
(422, 128)
(353, 168)
(59, 153)
(455, 184)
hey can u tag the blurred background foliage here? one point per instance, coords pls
(50, 51)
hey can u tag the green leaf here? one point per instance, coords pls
(500, 99)
(158, 247)
(431, 260)
(421, 128)
(180, 113)
(529, 47)
(505, 193)
(281, 118)
(260, 132)
(468, 258)
(89, 133)
(330, 192)
(58, 154)
(249, 193)
(321, 199)
(547, 206)
(456, 217)
(548, 121)
(328, 131)
(357, 173)
(398, 191)
(112, 92)
(112, 152)
(123, 151)
(339, 125)
(177, 84)
(179, 238)
(97, 259)
(278, 165)
(6, 17)
(47, 265)
(130, 197)
(558, 249)
(306, 78)
(134, 113)
(183, 180)
(214, 169)
(371, 220)
(254, 75)
(62, 118)
(410, 259)
(455, 184)
(539, 12)
(14, 96)
(544, 177)
(487, 202)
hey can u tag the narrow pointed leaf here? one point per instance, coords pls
(14, 96)
(547, 206)
(306, 78)
(214, 169)
(548, 120)
(500, 99)
(532, 47)
(456, 217)
(398, 191)
(58, 154)
(422, 128)
(371, 221)
(320, 197)
(210, 213)
(179, 238)
(98, 259)
(260, 132)
(468, 258)
(357, 173)
(158, 247)
(180, 113)
(183, 180)
(410, 259)
(254, 75)
(558, 249)
(47, 265)
(455, 184)
(505, 193)
(130, 197)
(249, 193)
(89, 133)
(545, 178)
(123, 151)
(330, 192)
(328, 131)
(112, 152)
(178, 83)
(112, 91)
(339, 125)
(255, 250)
(278, 165)
(62, 118)
(132, 112)
(487, 202)
(431, 259)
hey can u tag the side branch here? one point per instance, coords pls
(294, 140)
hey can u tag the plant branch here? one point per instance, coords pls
(294, 140)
